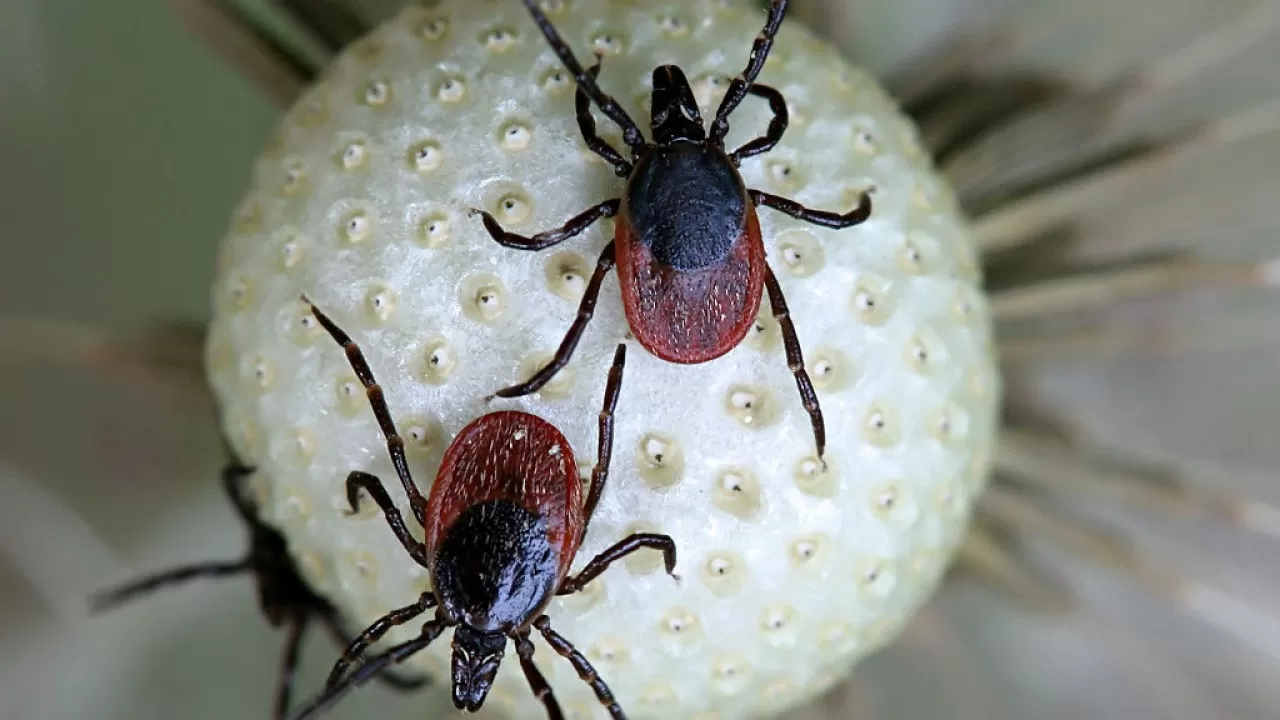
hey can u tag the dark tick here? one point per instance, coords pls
(285, 597)
(691, 261)
(502, 525)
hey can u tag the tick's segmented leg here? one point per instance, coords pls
(631, 134)
(777, 126)
(378, 402)
(289, 665)
(541, 690)
(619, 550)
(586, 309)
(176, 576)
(795, 360)
(374, 633)
(390, 678)
(371, 669)
(604, 443)
(817, 217)
(544, 240)
(358, 481)
(587, 124)
(738, 87)
(395, 444)
(580, 664)
(233, 476)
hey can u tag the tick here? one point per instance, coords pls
(687, 244)
(285, 597)
(502, 525)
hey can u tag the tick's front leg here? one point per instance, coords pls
(550, 238)
(616, 552)
(817, 217)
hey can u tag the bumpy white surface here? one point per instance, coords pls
(790, 575)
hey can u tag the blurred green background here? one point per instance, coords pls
(125, 146)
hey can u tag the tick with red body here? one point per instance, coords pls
(501, 528)
(687, 244)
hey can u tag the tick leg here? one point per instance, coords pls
(777, 126)
(331, 695)
(604, 443)
(544, 240)
(630, 131)
(817, 217)
(619, 550)
(738, 87)
(579, 662)
(289, 665)
(391, 679)
(587, 124)
(402, 683)
(374, 633)
(233, 476)
(358, 481)
(795, 360)
(537, 683)
(395, 444)
(112, 598)
(585, 310)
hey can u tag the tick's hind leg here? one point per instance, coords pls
(550, 238)
(795, 360)
(580, 663)
(374, 633)
(817, 217)
(358, 481)
(537, 683)
(604, 446)
(289, 666)
(587, 124)
(616, 552)
(777, 126)
(371, 669)
(586, 309)
(395, 444)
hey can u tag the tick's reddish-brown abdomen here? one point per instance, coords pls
(691, 316)
(512, 456)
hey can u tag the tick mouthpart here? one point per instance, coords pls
(476, 658)
(675, 109)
